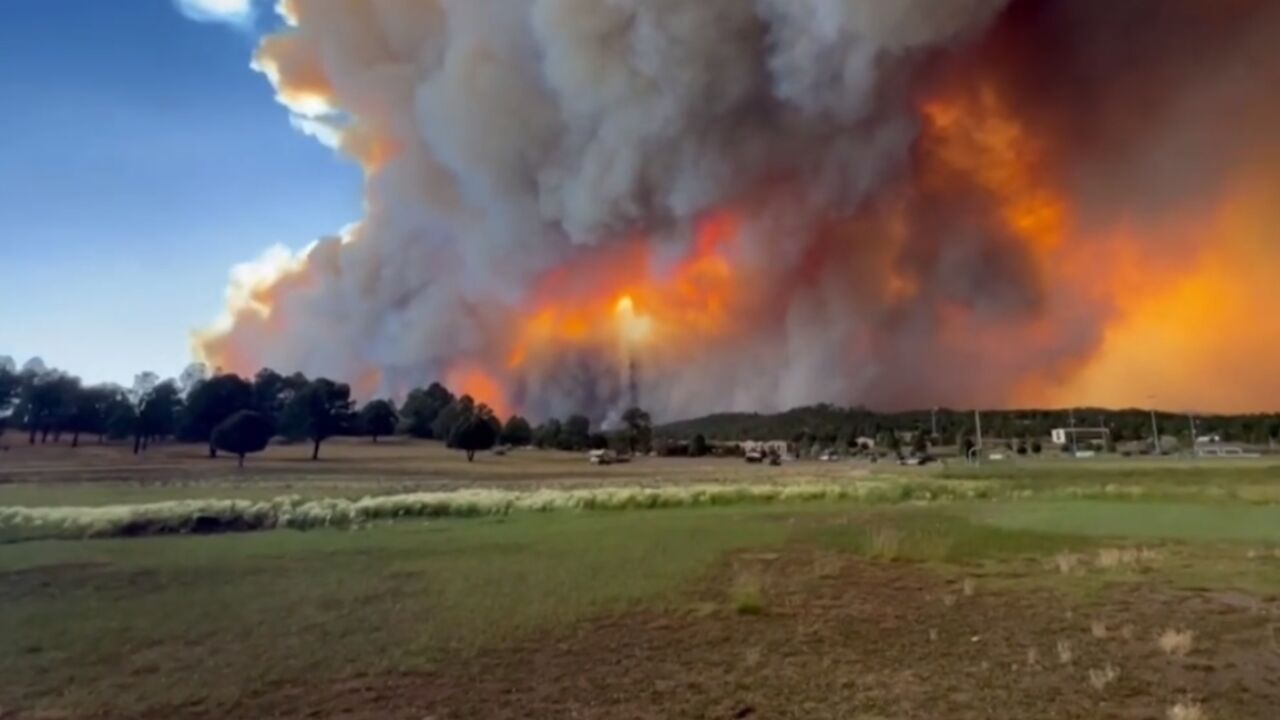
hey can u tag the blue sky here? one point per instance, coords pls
(140, 158)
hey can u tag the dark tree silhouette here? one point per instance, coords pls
(10, 385)
(93, 408)
(547, 435)
(160, 411)
(318, 411)
(698, 446)
(421, 408)
(576, 433)
(378, 418)
(210, 402)
(244, 432)
(268, 392)
(452, 416)
(47, 401)
(920, 444)
(477, 431)
(517, 432)
(639, 429)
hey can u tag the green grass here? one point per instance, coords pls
(934, 534)
(130, 624)
(1165, 476)
(93, 494)
(1139, 520)
(1199, 546)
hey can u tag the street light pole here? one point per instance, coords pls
(1155, 433)
(1192, 420)
(1075, 446)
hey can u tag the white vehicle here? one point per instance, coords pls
(602, 457)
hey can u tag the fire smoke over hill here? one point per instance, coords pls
(734, 204)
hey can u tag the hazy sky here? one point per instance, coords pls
(140, 158)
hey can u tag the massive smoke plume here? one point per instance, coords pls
(753, 204)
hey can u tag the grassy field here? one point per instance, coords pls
(199, 619)
(1053, 592)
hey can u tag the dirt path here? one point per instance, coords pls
(845, 638)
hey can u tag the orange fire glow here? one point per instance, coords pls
(615, 298)
(975, 135)
(1203, 338)
(474, 380)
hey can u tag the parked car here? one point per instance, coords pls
(602, 457)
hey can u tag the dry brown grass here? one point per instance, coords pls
(1178, 643)
(1101, 678)
(1066, 562)
(747, 594)
(1186, 711)
(886, 542)
(969, 587)
(1098, 629)
(390, 461)
(827, 566)
(1066, 653)
(1115, 558)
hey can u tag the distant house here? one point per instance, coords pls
(781, 448)
(1079, 436)
(1212, 439)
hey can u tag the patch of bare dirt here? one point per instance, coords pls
(844, 638)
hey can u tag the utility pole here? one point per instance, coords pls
(633, 383)
(933, 418)
(1155, 433)
(1075, 447)
(977, 417)
(1192, 419)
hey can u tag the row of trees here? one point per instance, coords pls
(634, 434)
(240, 415)
(835, 426)
(49, 403)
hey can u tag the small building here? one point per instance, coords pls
(767, 448)
(1080, 436)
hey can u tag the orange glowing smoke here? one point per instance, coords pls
(473, 380)
(1194, 330)
(616, 298)
(1174, 301)
(1205, 338)
(976, 136)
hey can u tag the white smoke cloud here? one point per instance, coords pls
(523, 130)
(234, 12)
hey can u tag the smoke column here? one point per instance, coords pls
(754, 204)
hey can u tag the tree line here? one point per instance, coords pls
(834, 426)
(240, 415)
